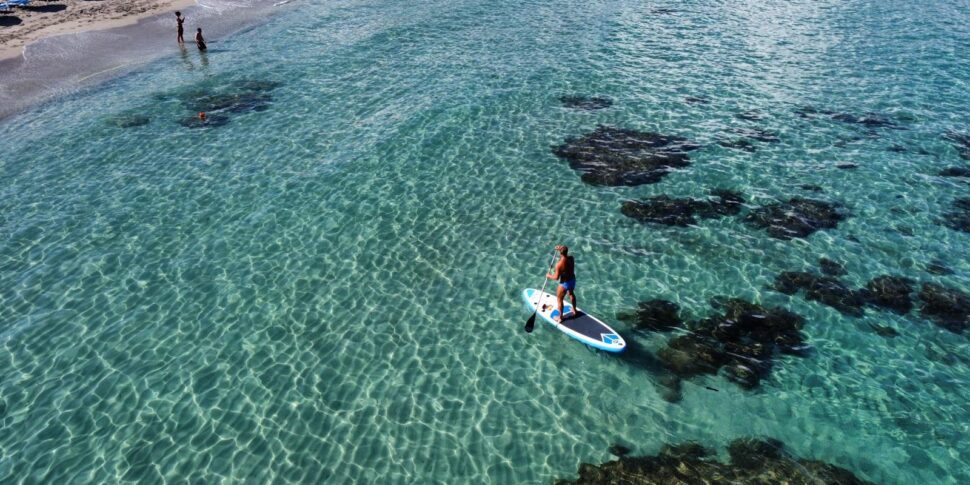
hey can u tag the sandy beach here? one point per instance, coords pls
(21, 26)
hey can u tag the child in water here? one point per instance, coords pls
(199, 41)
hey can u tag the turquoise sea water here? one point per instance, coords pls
(327, 290)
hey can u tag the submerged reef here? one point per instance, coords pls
(211, 121)
(669, 211)
(654, 315)
(742, 144)
(886, 291)
(958, 218)
(236, 102)
(750, 115)
(129, 120)
(947, 307)
(961, 141)
(811, 188)
(219, 101)
(938, 267)
(696, 100)
(824, 289)
(757, 134)
(586, 103)
(889, 292)
(742, 339)
(799, 217)
(753, 461)
(869, 120)
(830, 267)
(811, 112)
(621, 157)
(955, 172)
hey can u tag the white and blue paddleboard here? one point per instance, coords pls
(581, 326)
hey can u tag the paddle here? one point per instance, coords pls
(531, 322)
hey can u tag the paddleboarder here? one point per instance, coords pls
(565, 273)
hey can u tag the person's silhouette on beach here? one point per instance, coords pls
(180, 19)
(199, 41)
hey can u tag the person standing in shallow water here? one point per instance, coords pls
(181, 20)
(565, 272)
(199, 41)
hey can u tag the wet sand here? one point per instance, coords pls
(21, 26)
(70, 52)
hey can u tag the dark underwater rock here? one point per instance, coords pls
(959, 217)
(229, 102)
(799, 217)
(257, 85)
(663, 11)
(757, 134)
(696, 100)
(811, 188)
(739, 144)
(869, 120)
(824, 289)
(846, 166)
(890, 292)
(211, 121)
(884, 331)
(688, 356)
(683, 212)
(960, 140)
(129, 120)
(753, 461)
(897, 149)
(938, 267)
(947, 307)
(238, 97)
(749, 453)
(955, 172)
(621, 157)
(831, 268)
(654, 315)
(742, 340)
(750, 115)
(619, 450)
(585, 103)
(811, 112)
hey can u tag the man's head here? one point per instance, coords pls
(563, 250)
(178, 14)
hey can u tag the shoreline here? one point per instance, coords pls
(45, 24)
(58, 63)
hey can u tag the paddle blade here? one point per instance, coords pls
(531, 323)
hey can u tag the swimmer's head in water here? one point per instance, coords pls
(202, 115)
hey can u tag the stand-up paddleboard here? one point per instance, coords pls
(581, 326)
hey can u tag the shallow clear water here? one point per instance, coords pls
(328, 289)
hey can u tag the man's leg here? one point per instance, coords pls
(560, 292)
(572, 299)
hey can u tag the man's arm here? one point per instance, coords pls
(555, 274)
